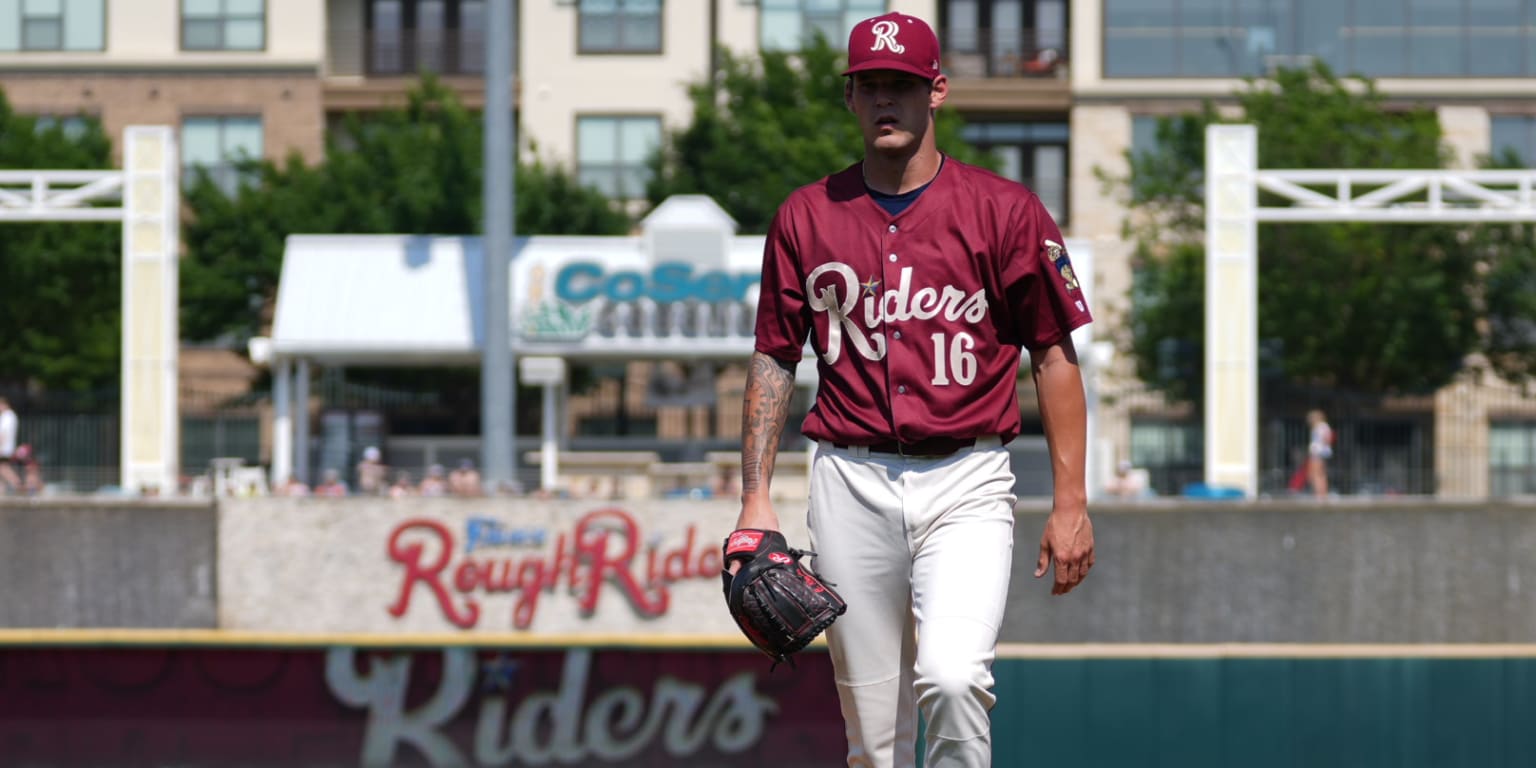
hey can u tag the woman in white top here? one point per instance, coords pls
(1319, 451)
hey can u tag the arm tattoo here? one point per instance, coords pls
(769, 388)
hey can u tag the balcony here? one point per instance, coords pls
(375, 68)
(1007, 69)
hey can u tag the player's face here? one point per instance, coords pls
(895, 109)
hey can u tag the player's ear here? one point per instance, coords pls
(938, 91)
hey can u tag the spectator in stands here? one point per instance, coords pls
(294, 487)
(435, 483)
(403, 486)
(464, 481)
(331, 485)
(9, 479)
(1319, 451)
(372, 473)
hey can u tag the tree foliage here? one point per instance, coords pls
(1366, 307)
(411, 171)
(765, 126)
(60, 283)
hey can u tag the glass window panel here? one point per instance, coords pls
(1380, 38)
(1050, 177)
(386, 15)
(1143, 134)
(596, 140)
(780, 30)
(638, 138)
(644, 7)
(1509, 445)
(472, 36)
(1007, 30)
(429, 15)
(200, 143)
(1516, 133)
(1264, 32)
(599, 6)
(42, 34)
(599, 33)
(1051, 23)
(1495, 52)
(1321, 32)
(1010, 162)
(1436, 52)
(10, 31)
(84, 25)
(201, 35)
(201, 8)
(1139, 53)
(243, 137)
(42, 7)
(961, 31)
(1138, 13)
(245, 7)
(244, 35)
(643, 33)
(1435, 13)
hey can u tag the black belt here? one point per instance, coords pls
(933, 446)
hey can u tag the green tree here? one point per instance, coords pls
(411, 171)
(60, 283)
(1367, 307)
(763, 127)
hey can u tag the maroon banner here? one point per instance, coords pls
(199, 706)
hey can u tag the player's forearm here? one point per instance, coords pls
(1064, 415)
(770, 386)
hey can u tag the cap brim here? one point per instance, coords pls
(893, 66)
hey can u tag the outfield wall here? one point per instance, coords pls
(1391, 572)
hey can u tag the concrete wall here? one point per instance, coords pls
(79, 564)
(1404, 573)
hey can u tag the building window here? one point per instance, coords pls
(52, 25)
(1033, 154)
(72, 126)
(611, 153)
(619, 26)
(1512, 458)
(223, 25)
(218, 145)
(787, 25)
(1376, 38)
(1513, 135)
(406, 37)
(1172, 452)
(1003, 38)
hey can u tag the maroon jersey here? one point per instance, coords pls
(917, 319)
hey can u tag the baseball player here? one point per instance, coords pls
(917, 280)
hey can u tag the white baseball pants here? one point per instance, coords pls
(922, 550)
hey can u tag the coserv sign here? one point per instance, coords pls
(584, 281)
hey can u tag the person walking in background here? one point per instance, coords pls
(1319, 451)
(9, 479)
(372, 473)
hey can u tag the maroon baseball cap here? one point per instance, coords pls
(894, 41)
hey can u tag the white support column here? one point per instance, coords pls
(301, 421)
(1231, 308)
(549, 467)
(282, 422)
(150, 452)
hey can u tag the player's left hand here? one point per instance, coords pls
(1068, 542)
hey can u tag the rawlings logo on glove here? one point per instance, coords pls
(778, 604)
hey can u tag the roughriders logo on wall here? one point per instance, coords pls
(604, 552)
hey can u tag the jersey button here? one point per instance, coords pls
(893, 228)
(893, 257)
(901, 390)
(896, 335)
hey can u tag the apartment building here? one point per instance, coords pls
(1058, 89)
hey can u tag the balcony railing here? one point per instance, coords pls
(408, 52)
(975, 52)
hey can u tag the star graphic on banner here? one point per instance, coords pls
(870, 286)
(498, 673)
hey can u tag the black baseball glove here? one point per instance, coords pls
(780, 605)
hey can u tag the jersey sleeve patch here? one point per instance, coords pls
(1057, 253)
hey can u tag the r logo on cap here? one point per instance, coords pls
(885, 37)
